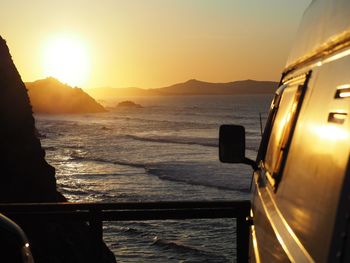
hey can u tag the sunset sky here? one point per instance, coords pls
(151, 43)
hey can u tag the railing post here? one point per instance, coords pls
(242, 239)
(96, 224)
(96, 228)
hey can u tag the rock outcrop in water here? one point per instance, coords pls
(26, 176)
(128, 104)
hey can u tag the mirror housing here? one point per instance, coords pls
(232, 145)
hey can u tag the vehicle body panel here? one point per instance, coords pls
(301, 191)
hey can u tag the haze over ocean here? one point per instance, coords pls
(166, 150)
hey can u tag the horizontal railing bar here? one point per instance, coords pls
(130, 215)
(169, 214)
(72, 206)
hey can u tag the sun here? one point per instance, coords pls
(66, 58)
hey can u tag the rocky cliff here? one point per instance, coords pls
(26, 176)
(51, 96)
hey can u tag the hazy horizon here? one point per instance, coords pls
(148, 45)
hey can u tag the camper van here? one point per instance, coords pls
(301, 183)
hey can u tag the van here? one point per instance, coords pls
(301, 183)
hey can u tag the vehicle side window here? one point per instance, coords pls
(282, 129)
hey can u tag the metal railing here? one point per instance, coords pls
(96, 213)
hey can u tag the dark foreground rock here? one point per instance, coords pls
(25, 176)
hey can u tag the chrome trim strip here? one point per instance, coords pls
(334, 48)
(255, 245)
(284, 233)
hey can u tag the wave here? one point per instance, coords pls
(198, 125)
(73, 146)
(50, 148)
(97, 175)
(134, 231)
(72, 191)
(101, 160)
(173, 172)
(208, 142)
(182, 248)
(84, 190)
(179, 172)
(195, 182)
(145, 232)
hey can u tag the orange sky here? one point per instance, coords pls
(155, 43)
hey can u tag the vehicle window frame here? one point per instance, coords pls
(301, 81)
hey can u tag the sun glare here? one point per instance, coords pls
(66, 59)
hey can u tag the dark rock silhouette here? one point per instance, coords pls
(26, 176)
(51, 96)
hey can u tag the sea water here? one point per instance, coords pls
(165, 151)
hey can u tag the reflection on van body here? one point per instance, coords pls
(301, 190)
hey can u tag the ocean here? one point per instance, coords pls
(165, 151)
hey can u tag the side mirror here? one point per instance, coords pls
(232, 145)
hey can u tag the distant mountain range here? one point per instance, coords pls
(190, 87)
(51, 96)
